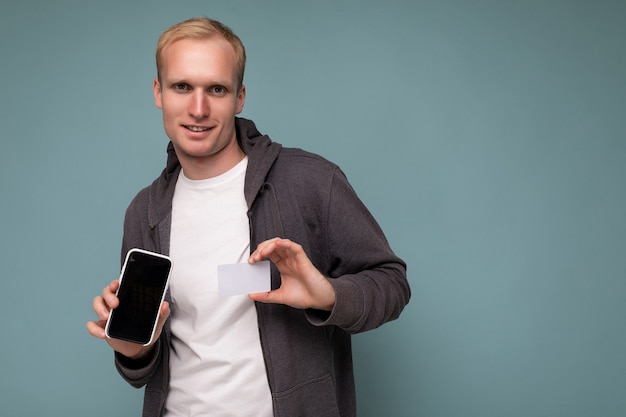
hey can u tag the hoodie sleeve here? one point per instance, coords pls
(369, 279)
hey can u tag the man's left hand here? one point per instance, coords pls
(303, 286)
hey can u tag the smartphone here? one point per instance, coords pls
(143, 282)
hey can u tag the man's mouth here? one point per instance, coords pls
(196, 128)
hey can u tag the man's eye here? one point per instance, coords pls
(180, 87)
(218, 90)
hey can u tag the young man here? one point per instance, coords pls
(230, 195)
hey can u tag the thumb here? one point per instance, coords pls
(164, 313)
(264, 297)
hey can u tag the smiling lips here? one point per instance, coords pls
(196, 128)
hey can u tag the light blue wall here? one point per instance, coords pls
(488, 138)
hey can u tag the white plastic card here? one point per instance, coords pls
(244, 278)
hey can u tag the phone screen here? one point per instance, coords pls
(142, 288)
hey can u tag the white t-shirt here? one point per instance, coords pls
(216, 362)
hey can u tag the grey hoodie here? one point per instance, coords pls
(300, 196)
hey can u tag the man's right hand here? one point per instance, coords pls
(102, 305)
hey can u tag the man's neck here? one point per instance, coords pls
(201, 168)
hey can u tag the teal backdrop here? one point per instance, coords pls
(487, 137)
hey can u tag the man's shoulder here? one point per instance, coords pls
(140, 199)
(303, 172)
(155, 196)
(299, 158)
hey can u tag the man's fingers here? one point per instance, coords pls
(272, 245)
(109, 295)
(100, 308)
(263, 250)
(96, 328)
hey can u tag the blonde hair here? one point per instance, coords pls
(202, 28)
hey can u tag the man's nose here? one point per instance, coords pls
(199, 105)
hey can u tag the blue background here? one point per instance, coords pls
(487, 137)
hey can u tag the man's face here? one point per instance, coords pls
(199, 96)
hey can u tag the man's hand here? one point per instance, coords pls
(103, 305)
(303, 286)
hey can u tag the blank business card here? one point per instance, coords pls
(245, 278)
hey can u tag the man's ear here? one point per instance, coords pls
(241, 99)
(156, 87)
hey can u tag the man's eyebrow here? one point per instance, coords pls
(212, 83)
(173, 81)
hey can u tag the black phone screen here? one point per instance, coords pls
(143, 284)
